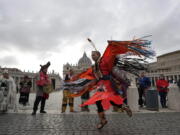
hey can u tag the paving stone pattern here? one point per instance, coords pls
(84, 124)
(165, 122)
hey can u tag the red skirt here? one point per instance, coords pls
(108, 94)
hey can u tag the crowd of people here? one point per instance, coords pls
(8, 91)
(162, 86)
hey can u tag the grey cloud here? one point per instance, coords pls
(8, 60)
(43, 26)
(165, 31)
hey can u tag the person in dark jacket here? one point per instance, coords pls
(144, 84)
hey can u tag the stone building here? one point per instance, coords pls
(83, 63)
(167, 64)
(18, 75)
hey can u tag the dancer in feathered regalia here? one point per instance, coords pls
(105, 75)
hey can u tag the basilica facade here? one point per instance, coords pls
(83, 63)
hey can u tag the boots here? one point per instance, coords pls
(63, 109)
(103, 120)
(127, 109)
(42, 111)
(115, 109)
(33, 113)
(71, 109)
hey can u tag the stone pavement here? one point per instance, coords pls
(84, 124)
(53, 105)
(164, 122)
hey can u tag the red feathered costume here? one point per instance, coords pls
(99, 77)
(105, 64)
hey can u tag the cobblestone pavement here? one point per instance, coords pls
(84, 124)
(53, 105)
(164, 122)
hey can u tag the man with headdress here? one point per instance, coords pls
(106, 94)
(7, 92)
(42, 82)
(25, 87)
(100, 76)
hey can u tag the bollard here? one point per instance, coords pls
(132, 97)
(174, 97)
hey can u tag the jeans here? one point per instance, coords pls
(37, 101)
(163, 96)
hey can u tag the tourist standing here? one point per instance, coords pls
(7, 92)
(66, 95)
(144, 84)
(25, 87)
(162, 87)
(42, 83)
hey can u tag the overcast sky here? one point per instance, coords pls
(33, 32)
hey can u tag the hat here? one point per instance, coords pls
(45, 66)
